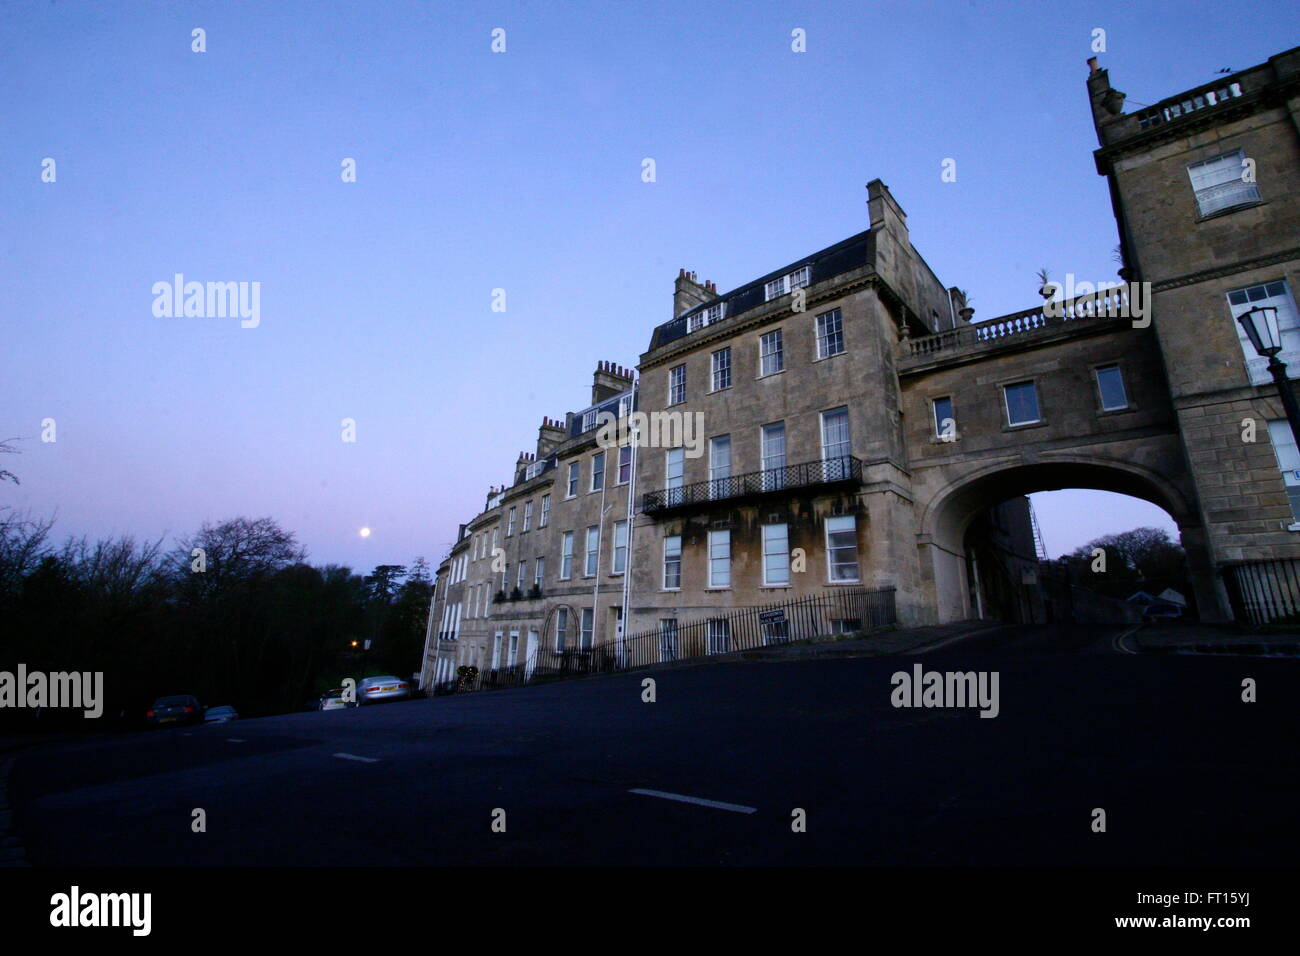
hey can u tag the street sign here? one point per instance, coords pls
(776, 616)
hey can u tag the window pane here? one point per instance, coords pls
(776, 555)
(842, 548)
(1110, 381)
(830, 336)
(835, 443)
(1278, 295)
(719, 465)
(942, 414)
(1022, 403)
(673, 562)
(771, 352)
(719, 559)
(773, 456)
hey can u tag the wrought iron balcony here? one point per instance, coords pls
(825, 471)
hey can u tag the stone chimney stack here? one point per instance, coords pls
(549, 436)
(1107, 104)
(609, 380)
(688, 292)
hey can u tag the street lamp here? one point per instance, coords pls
(1260, 325)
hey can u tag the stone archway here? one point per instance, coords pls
(966, 492)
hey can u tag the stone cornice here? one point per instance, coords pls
(1219, 272)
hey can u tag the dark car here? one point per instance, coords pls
(181, 709)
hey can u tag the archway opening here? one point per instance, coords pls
(1060, 542)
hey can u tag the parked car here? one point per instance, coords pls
(220, 715)
(382, 688)
(333, 700)
(1162, 610)
(180, 709)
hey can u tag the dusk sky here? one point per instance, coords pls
(479, 170)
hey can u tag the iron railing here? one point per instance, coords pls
(838, 610)
(1264, 591)
(825, 471)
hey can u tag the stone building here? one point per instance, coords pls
(802, 449)
(841, 423)
(1206, 192)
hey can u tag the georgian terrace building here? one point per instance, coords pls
(545, 560)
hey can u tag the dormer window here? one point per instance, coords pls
(714, 313)
(787, 283)
(589, 419)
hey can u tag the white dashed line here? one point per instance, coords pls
(355, 757)
(236, 740)
(700, 801)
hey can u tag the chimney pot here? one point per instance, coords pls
(1092, 62)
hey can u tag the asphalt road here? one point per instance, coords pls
(1186, 772)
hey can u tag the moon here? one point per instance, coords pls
(365, 532)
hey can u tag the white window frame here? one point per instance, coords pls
(571, 486)
(618, 554)
(668, 639)
(672, 557)
(772, 465)
(826, 336)
(770, 550)
(720, 364)
(1006, 403)
(597, 472)
(1288, 323)
(545, 517)
(718, 540)
(589, 567)
(677, 384)
(539, 570)
(566, 556)
(834, 524)
(587, 629)
(840, 450)
(717, 635)
(1218, 186)
(528, 516)
(938, 422)
(771, 345)
(624, 451)
(561, 629)
(718, 471)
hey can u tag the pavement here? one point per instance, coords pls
(718, 769)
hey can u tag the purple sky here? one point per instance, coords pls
(479, 171)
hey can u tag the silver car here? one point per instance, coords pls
(382, 688)
(220, 715)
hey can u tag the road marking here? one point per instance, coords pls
(236, 740)
(925, 649)
(355, 757)
(733, 807)
(1118, 641)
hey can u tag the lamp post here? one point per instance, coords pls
(1260, 325)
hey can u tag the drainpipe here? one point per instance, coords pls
(631, 515)
(600, 535)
